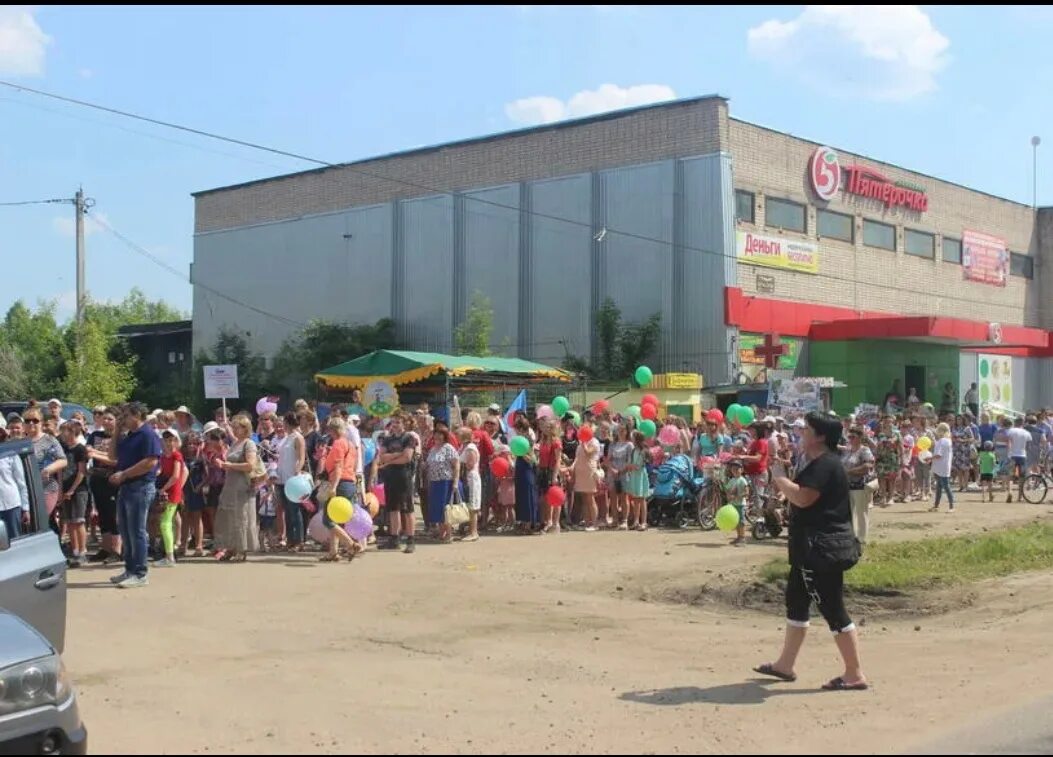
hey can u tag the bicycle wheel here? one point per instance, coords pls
(709, 502)
(1035, 489)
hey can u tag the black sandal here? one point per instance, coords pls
(767, 670)
(838, 684)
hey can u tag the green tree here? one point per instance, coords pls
(622, 346)
(472, 336)
(37, 340)
(134, 309)
(608, 331)
(637, 342)
(231, 348)
(92, 377)
(12, 373)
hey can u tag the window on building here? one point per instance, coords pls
(952, 250)
(919, 243)
(1021, 265)
(877, 234)
(785, 214)
(744, 205)
(835, 225)
(171, 358)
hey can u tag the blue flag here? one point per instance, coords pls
(518, 404)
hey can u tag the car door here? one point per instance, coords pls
(32, 566)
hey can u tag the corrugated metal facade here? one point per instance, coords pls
(657, 238)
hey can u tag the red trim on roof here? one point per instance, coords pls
(829, 323)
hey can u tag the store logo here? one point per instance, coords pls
(994, 333)
(825, 172)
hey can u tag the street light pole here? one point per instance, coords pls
(1035, 142)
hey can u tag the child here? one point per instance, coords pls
(988, 462)
(170, 493)
(638, 485)
(268, 511)
(506, 492)
(737, 489)
(193, 496)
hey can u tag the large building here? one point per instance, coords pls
(869, 272)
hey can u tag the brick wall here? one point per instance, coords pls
(772, 164)
(680, 129)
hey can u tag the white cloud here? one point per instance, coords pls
(607, 97)
(885, 52)
(67, 226)
(22, 41)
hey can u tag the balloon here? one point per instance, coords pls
(378, 489)
(369, 451)
(643, 375)
(372, 504)
(500, 466)
(634, 411)
(649, 411)
(924, 444)
(600, 406)
(747, 416)
(648, 428)
(317, 531)
(560, 406)
(298, 487)
(585, 434)
(733, 411)
(715, 416)
(339, 510)
(264, 405)
(727, 518)
(520, 446)
(669, 435)
(555, 496)
(545, 411)
(360, 526)
(649, 399)
(576, 416)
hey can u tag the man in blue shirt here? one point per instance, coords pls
(138, 453)
(987, 430)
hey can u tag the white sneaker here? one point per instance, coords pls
(623, 526)
(165, 563)
(120, 577)
(590, 529)
(133, 582)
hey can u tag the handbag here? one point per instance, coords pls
(835, 552)
(457, 513)
(871, 485)
(258, 475)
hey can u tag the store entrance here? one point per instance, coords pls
(915, 377)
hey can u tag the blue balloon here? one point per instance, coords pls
(369, 449)
(298, 487)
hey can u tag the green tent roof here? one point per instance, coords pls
(401, 367)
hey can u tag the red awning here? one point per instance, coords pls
(938, 330)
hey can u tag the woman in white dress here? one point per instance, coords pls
(473, 481)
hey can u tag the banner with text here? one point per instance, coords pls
(777, 252)
(985, 258)
(753, 367)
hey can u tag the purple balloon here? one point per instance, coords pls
(264, 405)
(360, 526)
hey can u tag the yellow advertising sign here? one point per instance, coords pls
(682, 381)
(777, 252)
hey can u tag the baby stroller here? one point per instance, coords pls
(676, 495)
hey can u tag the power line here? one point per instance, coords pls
(34, 202)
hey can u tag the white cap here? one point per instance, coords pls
(54, 401)
(495, 407)
(354, 418)
(799, 423)
(171, 432)
(183, 409)
(769, 419)
(210, 426)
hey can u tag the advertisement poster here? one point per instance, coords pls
(985, 258)
(800, 394)
(221, 382)
(380, 398)
(996, 380)
(753, 367)
(777, 252)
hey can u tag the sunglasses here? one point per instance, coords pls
(34, 421)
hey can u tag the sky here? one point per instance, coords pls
(955, 92)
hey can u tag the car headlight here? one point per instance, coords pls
(33, 684)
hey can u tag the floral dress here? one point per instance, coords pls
(963, 443)
(888, 455)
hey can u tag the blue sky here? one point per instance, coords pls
(954, 92)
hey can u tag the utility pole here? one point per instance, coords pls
(79, 209)
(1035, 142)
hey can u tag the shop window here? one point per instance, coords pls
(785, 214)
(919, 243)
(952, 250)
(1021, 265)
(835, 225)
(877, 234)
(744, 206)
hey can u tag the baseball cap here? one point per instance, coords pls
(799, 423)
(54, 401)
(354, 418)
(171, 432)
(495, 408)
(14, 418)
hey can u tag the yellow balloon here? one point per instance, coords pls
(340, 510)
(924, 443)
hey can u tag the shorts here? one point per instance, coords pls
(76, 509)
(398, 494)
(986, 477)
(105, 497)
(1019, 463)
(619, 486)
(267, 522)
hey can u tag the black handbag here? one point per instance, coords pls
(834, 552)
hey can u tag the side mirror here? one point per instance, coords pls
(5, 539)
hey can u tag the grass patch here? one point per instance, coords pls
(943, 561)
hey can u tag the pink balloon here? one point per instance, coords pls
(379, 491)
(360, 527)
(264, 405)
(669, 435)
(317, 531)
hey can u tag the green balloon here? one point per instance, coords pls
(648, 428)
(747, 416)
(520, 446)
(576, 416)
(643, 375)
(560, 406)
(732, 413)
(634, 411)
(727, 518)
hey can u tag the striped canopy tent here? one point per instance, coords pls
(402, 368)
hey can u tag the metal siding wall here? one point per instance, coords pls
(491, 239)
(1039, 389)
(560, 271)
(639, 273)
(969, 372)
(427, 238)
(709, 266)
(367, 291)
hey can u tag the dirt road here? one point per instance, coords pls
(543, 645)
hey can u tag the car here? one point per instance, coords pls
(68, 409)
(38, 705)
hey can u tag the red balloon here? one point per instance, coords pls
(499, 466)
(600, 406)
(555, 496)
(585, 434)
(649, 399)
(715, 416)
(649, 411)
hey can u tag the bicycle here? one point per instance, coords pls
(1035, 487)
